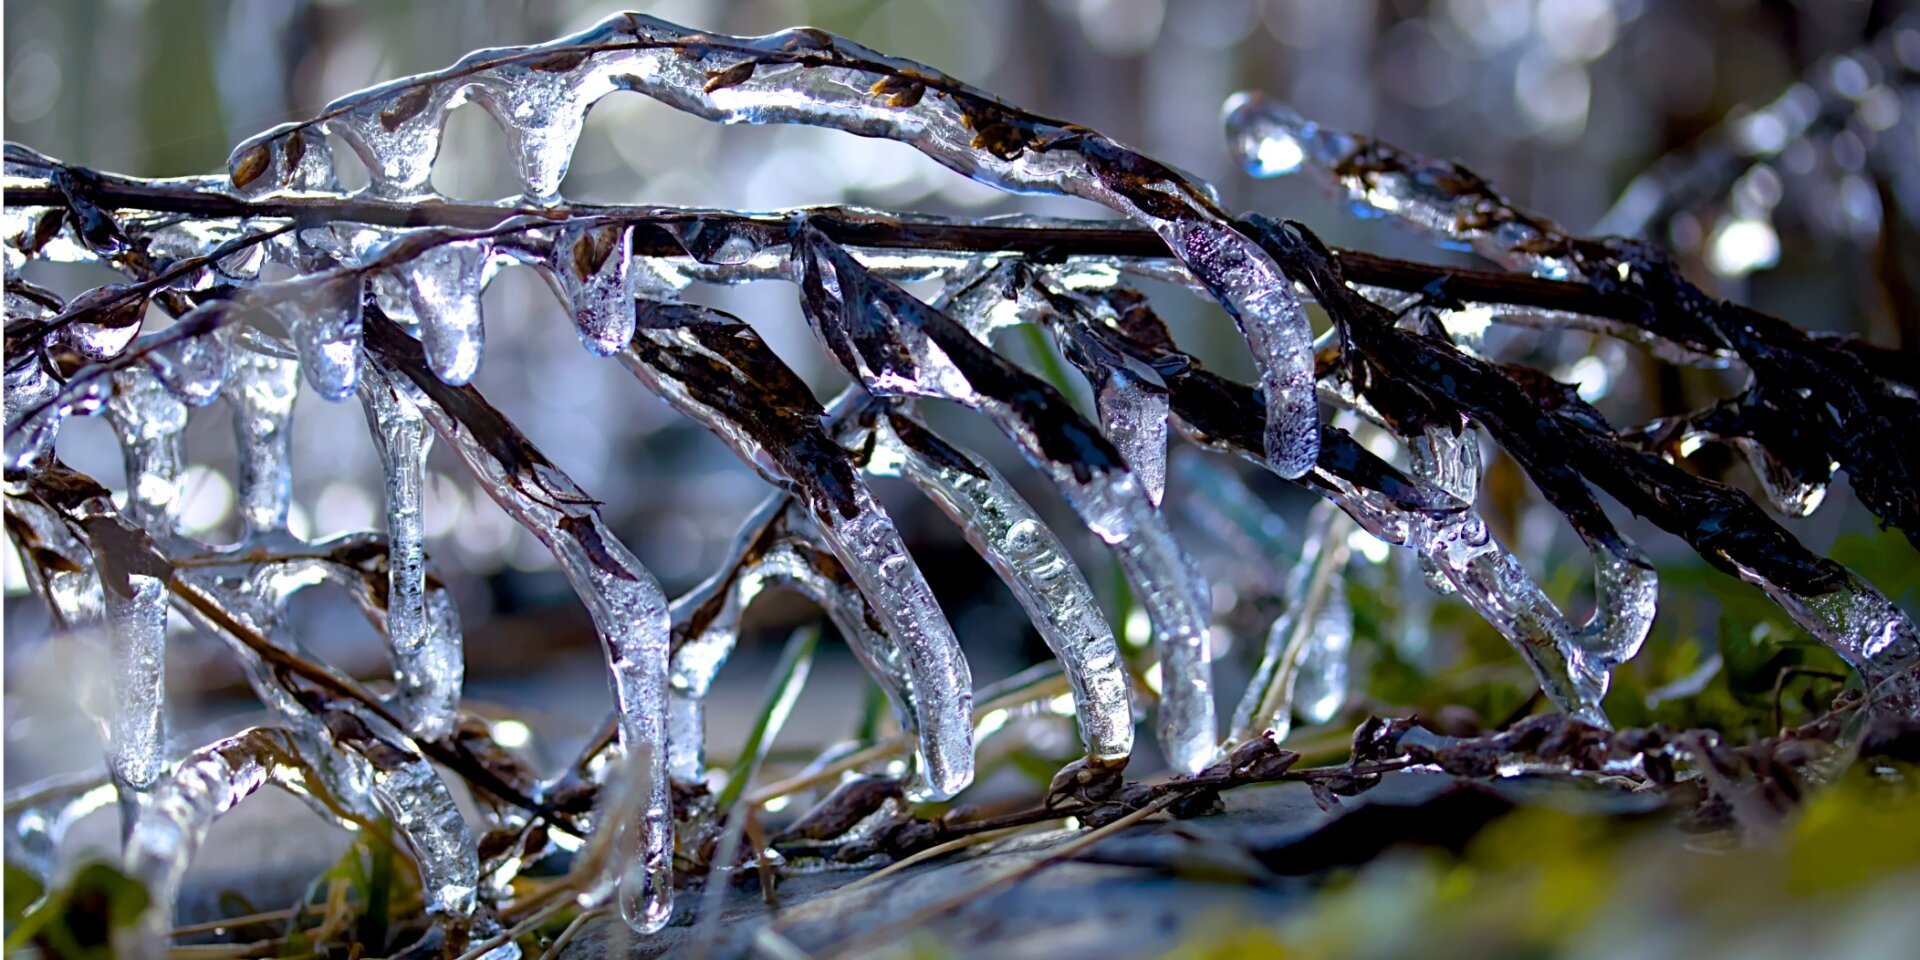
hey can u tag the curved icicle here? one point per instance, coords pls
(628, 610)
(541, 95)
(898, 346)
(1032, 562)
(707, 619)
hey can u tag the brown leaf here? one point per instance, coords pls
(732, 76)
(900, 90)
(296, 151)
(250, 164)
(590, 252)
(405, 106)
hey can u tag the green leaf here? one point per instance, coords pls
(23, 888)
(78, 919)
(796, 661)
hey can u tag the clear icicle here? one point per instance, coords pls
(809, 77)
(1132, 403)
(324, 321)
(262, 389)
(137, 738)
(629, 613)
(595, 277)
(192, 368)
(1035, 566)
(1788, 491)
(443, 287)
(150, 421)
(423, 632)
(1304, 667)
(541, 106)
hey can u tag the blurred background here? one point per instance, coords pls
(1805, 208)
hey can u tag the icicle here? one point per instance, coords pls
(423, 633)
(1033, 563)
(193, 368)
(1788, 491)
(593, 271)
(1132, 403)
(150, 422)
(628, 610)
(541, 106)
(1304, 667)
(137, 738)
(324, 321)
(443, 285)
(262, 389)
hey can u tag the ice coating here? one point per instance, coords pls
(629, 612)
(38, 818)
(423, 632)
(1032, 562)
(929, 354)
(1303, 669)
(1573, 663)
(1441, 199)
(541, 94)
(815, 574)
(171, 829)
(37, 403)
